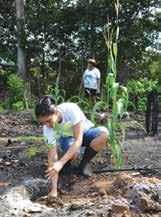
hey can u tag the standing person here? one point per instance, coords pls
(82, 131)
(91, 81)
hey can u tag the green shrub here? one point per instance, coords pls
(1, 108)
(18, 106)
(56, 92)
(15, 90)
(138, 90)
(31, 104)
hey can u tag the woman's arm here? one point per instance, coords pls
(52, 158)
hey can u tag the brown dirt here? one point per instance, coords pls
(101, 195)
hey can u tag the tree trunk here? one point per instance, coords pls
(21, 59)
(20, 36)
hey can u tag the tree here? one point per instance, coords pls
(20, 38)
(77, 27)
(7, 31)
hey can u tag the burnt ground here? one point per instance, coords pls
(23, 184)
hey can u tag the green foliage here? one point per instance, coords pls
(16, 91)
(155, 67)
(18, 106)
(138, 90)
(81, 100)
(65, 130)
(30, 138)
(1, 108)
(77, 27)
(32, 151)
(31, 103)
(5, 103)
(123, 125)
(96, 108)
(56, 92)
(43, 78)
(2, 72)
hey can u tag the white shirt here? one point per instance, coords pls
(71, 115)
(90, 78)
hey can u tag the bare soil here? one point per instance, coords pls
(23, 184)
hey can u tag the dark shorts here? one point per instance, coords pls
(90, 92)
(91, 134)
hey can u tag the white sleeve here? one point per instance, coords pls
(98, 74)
(75, 114)
(49, 136)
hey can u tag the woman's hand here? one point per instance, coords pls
(55, 169)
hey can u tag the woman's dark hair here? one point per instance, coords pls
(45, 106)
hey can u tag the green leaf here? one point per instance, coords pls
(115, 49)
(116, 152)
(114, 89)
(56, 130)
(117, 33)
(67, 133)
(110, 80)
(55, 126)
(109, 126)
(124, 89)
(67, 125)
(32, 151)
(65, 129)
(75, 99)
(118, 155)
(43, 148)
(95, 108)
(51, 145)
(125, 96)
(111, 63)
(119, 108)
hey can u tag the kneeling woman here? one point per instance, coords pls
(83, 133)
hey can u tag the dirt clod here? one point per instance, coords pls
(120, 208)
(121, 184)
(54, 201)
(145, 196)
(148, 205)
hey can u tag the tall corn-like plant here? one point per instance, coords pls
(117, 95)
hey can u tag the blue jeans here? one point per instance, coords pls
(88, 136)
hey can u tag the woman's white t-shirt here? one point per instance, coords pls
(90, 78)
(71, 115)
